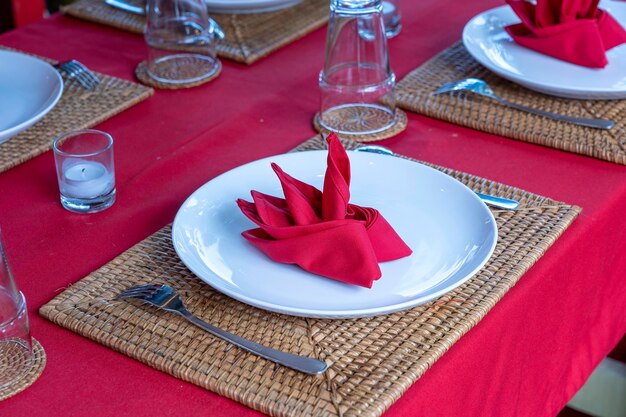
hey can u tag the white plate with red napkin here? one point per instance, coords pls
(450, 232)
(489, 43)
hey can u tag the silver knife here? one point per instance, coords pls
(127, 7)
(492, 200)
(131, 8)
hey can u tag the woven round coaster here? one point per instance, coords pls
(141, 72)
(397, 127)
(39, 363)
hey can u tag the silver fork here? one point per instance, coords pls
(166, 298)
(75, 70)
(480, 87)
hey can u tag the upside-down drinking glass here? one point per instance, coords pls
(357, 81)
(392, 18)
(181, 42)
(16, 353)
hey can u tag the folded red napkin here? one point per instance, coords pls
(575, 31)
(321, 231)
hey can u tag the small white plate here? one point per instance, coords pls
(29, 89)
(248, 6)
(487, 41)
(452, 234)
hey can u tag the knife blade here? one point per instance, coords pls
(127, 7)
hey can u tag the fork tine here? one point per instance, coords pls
(79, 72)
(84, 76)
(133, 292)
(89, 78)
(90, 75)
(138, 291)
(445, 88)
(140, 288)
(85, 81)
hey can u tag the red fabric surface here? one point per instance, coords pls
(27, 11)
(527, 357)
(575, 31)
(319, 230)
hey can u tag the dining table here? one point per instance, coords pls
(527, 357)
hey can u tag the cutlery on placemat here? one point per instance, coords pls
(478, 86)
(215, 28)
(76, 71)
(491, 200)
(166, 298)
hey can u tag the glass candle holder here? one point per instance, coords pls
(16, 352)
(356, 82)
(85, 170)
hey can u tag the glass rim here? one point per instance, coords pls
(72, 133)
(20, 310)
(323, 82)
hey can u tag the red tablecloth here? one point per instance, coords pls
(526, 358)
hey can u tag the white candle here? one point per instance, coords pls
(85, 179)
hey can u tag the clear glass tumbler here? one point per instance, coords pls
(357, 82)
(392, 18)
(16, 352)
(85, 170)
(181, 41)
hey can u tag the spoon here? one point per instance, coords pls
(491, 200)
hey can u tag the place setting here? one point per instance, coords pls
(273, 270)
(328, 279)
(516, 73)
(248, 29)
(289, 295)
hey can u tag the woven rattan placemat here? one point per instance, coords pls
(373, 360)
(455, 63)
(249, 37)
(78, 108)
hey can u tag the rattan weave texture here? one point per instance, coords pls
(249, 37)
(78, 108)
(352, 118)
(455, 63)
(373, 360)
(29, 377)
(141, 73)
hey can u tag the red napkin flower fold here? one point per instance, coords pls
(321, 231)
(575, 31)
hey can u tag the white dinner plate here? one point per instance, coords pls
(248, 6)
(487, 41)
(451, 232)
(29, 89)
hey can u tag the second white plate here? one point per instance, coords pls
(487, 41)
(248, 6)
(452, 234)
(29, 89)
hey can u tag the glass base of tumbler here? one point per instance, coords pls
(391, 18)
(358, 118)
(88, 205)
(182, 68)
(392, 31)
